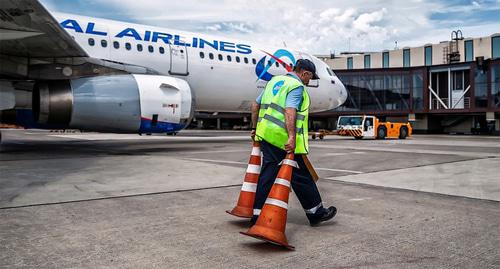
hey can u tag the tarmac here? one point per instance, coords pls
(87, 200)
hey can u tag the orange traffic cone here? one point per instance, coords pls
(244, 207)
(270, 225)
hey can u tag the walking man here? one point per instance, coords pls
(280, 122)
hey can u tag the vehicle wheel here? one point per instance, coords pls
(403, 133)
(321, 137)
(381, 132)
(358, 137)
(313, 137)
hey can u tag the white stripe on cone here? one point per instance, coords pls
(282, 181)
(271, 201)
(253, 169)
(256, 151)
(290, 162)
(249, 187)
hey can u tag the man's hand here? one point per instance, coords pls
(290, 145)
(252, 135)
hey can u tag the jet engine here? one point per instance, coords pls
(117, 103)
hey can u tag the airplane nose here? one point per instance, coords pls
(340, 92)
(343, 94)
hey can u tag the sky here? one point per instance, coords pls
(318, 27)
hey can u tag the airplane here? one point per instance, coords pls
(62, 71)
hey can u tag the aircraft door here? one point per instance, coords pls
(178, 60)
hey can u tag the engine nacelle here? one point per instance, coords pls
(118, 103)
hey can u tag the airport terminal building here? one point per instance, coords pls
(450, 87)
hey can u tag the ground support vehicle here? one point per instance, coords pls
(371, 127)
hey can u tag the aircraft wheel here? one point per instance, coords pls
(313, 136)
(321, 136)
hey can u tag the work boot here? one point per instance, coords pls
(323, 214)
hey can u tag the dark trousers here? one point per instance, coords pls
(302, 182)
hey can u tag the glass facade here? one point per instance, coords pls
(495, 85)
(385, 60)
(380, 91)
(349, 63)
(418, 91)
(367, 61)
(495, 47)
(428, 56)
(404, 90)
(469, 50)
(406, 58)
(481, 88)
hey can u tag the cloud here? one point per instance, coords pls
(318, 26)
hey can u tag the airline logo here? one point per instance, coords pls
(262, 67)
(155, 37)
(277, 87)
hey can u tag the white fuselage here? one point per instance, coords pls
(218, 85)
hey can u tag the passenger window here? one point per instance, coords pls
(104, 43)
(139, 47)
(151, 48)
(229, 58)
(116, 45)
(237, 59)
(202, 55)
(211, 56)
(254, 61)
(91, 42)
(162, 50)
(220, 57)
(246, 60)
(269, 63)
(128, 46)
(277, 64)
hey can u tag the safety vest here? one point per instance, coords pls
(271, 125)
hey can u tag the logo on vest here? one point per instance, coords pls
(278, 86)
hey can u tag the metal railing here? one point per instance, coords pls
(437, 105)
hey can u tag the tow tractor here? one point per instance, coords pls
(371, 127)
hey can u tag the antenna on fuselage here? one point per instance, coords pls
(284, 44)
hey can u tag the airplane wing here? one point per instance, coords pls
(34, 46)
(28, 30)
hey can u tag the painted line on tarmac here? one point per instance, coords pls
(345, 153)
(213, 161)
(118, 137)
(213, 151)
(120, 196)
(233, 162)
(419, 151)
(336, 178)
(340, 170)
